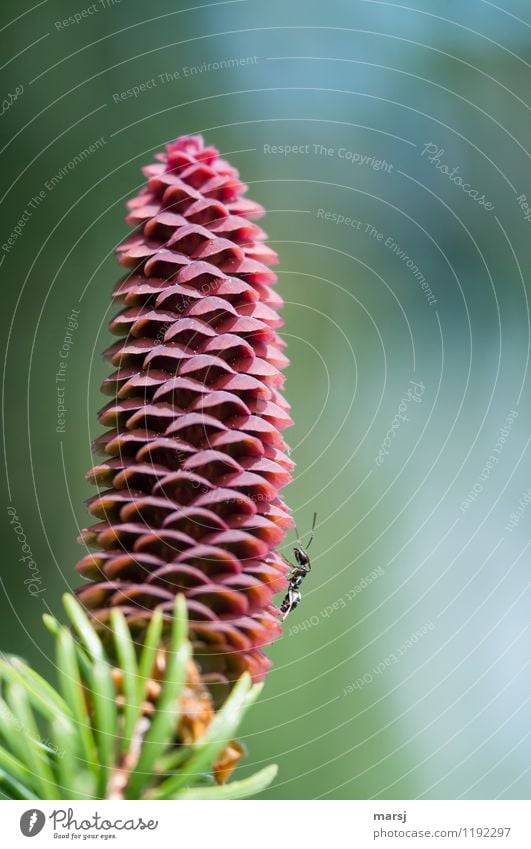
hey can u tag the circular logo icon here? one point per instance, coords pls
(32, 822)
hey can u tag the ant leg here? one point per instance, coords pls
(288, 563)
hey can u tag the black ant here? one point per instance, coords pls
(297, 573)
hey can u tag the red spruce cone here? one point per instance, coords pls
(195, 459)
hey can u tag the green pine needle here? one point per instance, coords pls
(82, 742)
(164, 725)
(83, 626)
(72, 687)
(125, 652)
(236, 789)
(103, 695)
(219, 732)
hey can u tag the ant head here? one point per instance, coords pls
(301, 557)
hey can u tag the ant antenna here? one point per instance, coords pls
(313, 529)
(311, 532)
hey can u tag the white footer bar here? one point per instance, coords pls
(269, 824)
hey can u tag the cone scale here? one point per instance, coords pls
(193, 457)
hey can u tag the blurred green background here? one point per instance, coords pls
(414, 681)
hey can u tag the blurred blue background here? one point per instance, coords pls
(391, 147)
